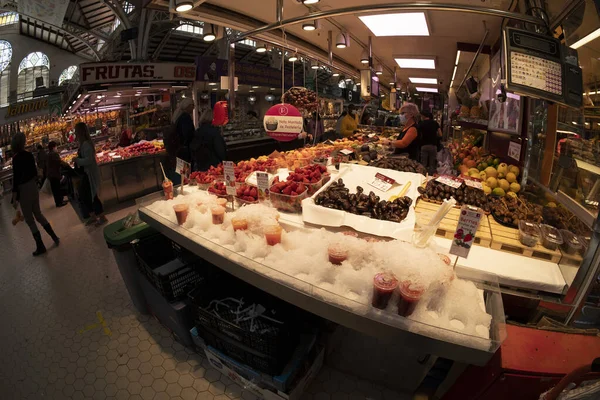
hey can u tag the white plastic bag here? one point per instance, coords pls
(46, 188)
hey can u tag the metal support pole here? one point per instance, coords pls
(231, 78)
(330, 45)
(487, 31)
(279, 11)
(195, 115)
(370, 52)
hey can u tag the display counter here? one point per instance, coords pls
(131, 178)
(473, 342)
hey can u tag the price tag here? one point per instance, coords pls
(450, 181)
(514, 150)
(370, 135)
(262, 179)
(474, 183)
(346, 152)
(382, 182)
(229, 172)
(464, 236)
(183, 168)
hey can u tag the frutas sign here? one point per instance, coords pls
(95, 73)
(26, 107)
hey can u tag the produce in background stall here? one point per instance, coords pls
(301, 98)
(512, 209)
(437, 192)
(338, 197)
(401, 164)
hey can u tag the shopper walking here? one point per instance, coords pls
(338, 124)
(26, 194)
(88, 190)
(208, 146)
(430, 135)
(53, 170)
(184, 128)
(42, 160)
(408, 140)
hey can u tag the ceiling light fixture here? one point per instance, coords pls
(335, 74)
(311, 26)
(342, 40)
(310, 1)
(426, 89)
(378, 70)
(416, 63)
(591, 93)
(212, 83)
(451, 83)
(586, 39)
(427, 81)
(364, 57)
(314, 65)
(293, 57)
(183, 5)
(457, 57)
(214, 90)
(209, 32)
(254, 87)
(261, 48)
(454, 73)
(402, 24)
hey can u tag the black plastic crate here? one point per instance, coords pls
(261, 362)
(157, 261)
(247, 315)
(183, 254)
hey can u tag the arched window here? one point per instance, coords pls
(5, 57)
(8, 18)
(67, 75)
(35, 65)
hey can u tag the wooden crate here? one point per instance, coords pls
(507, 239)
(447, 227)
(571, 259)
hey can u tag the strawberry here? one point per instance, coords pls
(301, 188)
(254, 192)
(294, 194)
(287, 190)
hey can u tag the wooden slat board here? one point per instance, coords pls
(507, 239)
(571, 259)
(447, 227)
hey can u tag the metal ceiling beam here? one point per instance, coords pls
(78, 29)
(388, 8)
(64, 32)
(566, 11)
(116, 7)
(161, 45)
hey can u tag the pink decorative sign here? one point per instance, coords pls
(283, 122)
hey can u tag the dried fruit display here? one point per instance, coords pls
(338, 197)
(301, 98)
(401, 164)
(437, 192)
(561, 218)
(512, 209)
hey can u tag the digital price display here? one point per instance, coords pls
(540, 66)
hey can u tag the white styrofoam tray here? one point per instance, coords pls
(357, 175)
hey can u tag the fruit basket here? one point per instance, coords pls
(287, 199)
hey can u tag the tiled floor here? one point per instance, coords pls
(54, 346)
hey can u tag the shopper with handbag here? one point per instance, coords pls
(88, 190)
(25, 192)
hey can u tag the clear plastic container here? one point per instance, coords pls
(410, 294)
(283, 202)
(181, 212)
(273, 234)
(338, 253)
(571, 243)
(239, 224)
(218, 215)
(551, 237)
(384, 285)
(314, 187)
(585, 242)
(529, 233)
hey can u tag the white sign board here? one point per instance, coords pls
(98, 73)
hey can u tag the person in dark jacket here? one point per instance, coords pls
(184, 127)
(430, 135)
(53, 171)
(208, 146)
(42, 160)
(26, 194)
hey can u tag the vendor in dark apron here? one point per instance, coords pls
(408, 140)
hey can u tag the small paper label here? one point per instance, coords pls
(514, 151)
(450, 181)
(382, 182)
(474, 183)
(552, 235)
(229, 172)
(183, 168)
(371, 135)
(346, 152)
(262, 180)
(464, 236)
